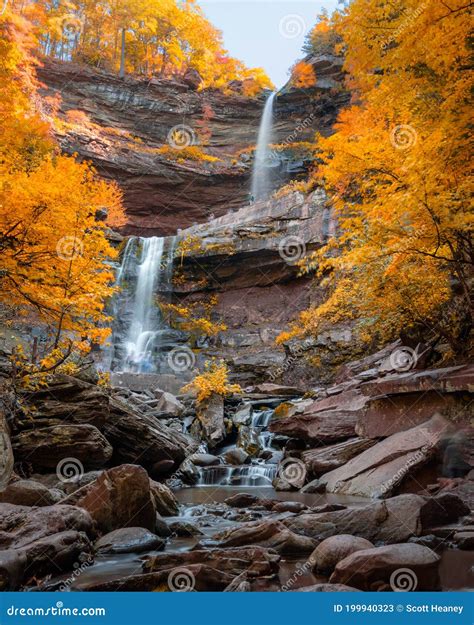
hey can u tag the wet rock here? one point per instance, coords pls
(377, 471)
(45, 447)
(180, 528)
(196, 578)
(289, 506)
(324, 459)
(120, 497)
(164, 499)
(162, 528)
(239, 584)
(379, 569)
(335, 548)
(315, 486)
(211, 418)
(204, 460)
(464, 540)
(272, 535)
(12, 569)
(162, 467)
(188, 472)
(22, 525)
(29, 493)
(56, 552)
(129, 540)
(255, 561)
(236, 456)
(241, 500)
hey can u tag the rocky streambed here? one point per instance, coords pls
(279, 489)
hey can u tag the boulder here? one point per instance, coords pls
(29, 493)
(289, 506)
(22, 525)
(403, 567)
(211, 419)
(325, 427)
(129, 540)
(243, 415)
(204, 460)
(179, 528)
(56, 552)
(256, 561)
(393, 520)
(241, 500)
(236, 456)
(135, 436)
(377, 471)
(44, 447)
(12, 569)
(46, 540)
(119, 497)
(269, 534)
(334, 549)
(324, 459)
(193, 578)
(444, 508)
(168, 404)
(163, 497)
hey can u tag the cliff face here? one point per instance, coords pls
(129, 120)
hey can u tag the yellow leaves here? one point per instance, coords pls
(302, 75)
(190, 153)
(213, 380)
(397, 170)
(195, 317)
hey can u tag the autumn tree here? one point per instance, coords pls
(52, 235)
(302, 75)
(397, 173)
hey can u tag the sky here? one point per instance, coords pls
(266, 33)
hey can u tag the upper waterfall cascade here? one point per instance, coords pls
(264, 160)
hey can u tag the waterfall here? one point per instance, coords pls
(258, 472)
(145, 270)
(264, 162)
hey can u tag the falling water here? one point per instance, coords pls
(263, 163)
(145, 270)
(258, 473)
